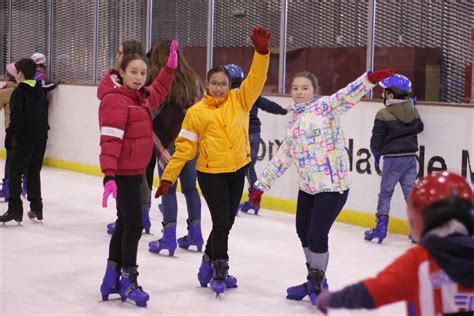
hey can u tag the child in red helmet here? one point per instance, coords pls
(436, 277)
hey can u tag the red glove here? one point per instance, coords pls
(260, 37)
(255, 197)
(379, 75)
(163, 188)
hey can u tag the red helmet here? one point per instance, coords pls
(434, 188)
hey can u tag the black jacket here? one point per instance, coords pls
(395, 130)
(29, 114)
(267, 106)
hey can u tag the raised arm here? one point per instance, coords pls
(251, 88)
(162, 84)
(346, 98)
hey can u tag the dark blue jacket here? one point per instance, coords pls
(395, 129)
(267, 106)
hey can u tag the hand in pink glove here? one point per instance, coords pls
(255, 196)
(110, 187)
(379, 75)
(173, 55)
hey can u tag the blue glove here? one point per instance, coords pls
(377, 161)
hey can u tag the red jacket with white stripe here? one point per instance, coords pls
(433, 278)
(126, 123)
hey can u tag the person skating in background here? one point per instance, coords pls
(40, 74)
(126, 146)
(315, 142)
(27, 134)
(236, 77)
(435, 277)
(185, 92)
(217, 128)
(126, 48)
(5, 94)
(394, 136)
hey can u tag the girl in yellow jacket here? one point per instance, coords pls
(217, 127)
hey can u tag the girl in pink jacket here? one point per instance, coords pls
(126, 144)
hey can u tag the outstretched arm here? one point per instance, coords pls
(270, 106)
(252, 86)
(346, 98)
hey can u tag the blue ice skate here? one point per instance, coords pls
(206, 272)
(219, 277)
(110, 283)
(194, 237)
(129, 288)
(247, 206)
(380, 230)
(168, 241)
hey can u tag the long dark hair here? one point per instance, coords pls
(186, 86)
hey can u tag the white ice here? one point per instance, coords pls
(56, 267)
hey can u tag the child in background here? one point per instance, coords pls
(394, 136)
(185, 92)
(435, 277)
(5, 94)
(315, 142)
(40, 74)
(126, 145)
(236, 77)
(28, 130)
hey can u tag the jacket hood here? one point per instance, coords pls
(111, 84)
(36, 91)
(404, 111)
(454, 254)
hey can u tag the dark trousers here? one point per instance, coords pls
(129, 225)
(315, 215)
(7, 163)
(222, 193)
(26, 158)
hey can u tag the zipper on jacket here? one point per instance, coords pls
(330, 169)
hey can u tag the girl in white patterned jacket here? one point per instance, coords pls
(315, 141)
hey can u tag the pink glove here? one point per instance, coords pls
(110, 187)
(173, 56)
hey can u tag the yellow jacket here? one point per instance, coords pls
(218, 128)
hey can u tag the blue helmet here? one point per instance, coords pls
(236, 74)
(397, 83)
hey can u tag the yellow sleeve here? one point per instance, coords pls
(186, 148)
(251, 88)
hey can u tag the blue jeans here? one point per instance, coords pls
(395, 170)
(187, 178)
(251, 175)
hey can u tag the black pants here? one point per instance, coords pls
(315, 215)
(26, 158)
(129, 225)
(222, 192)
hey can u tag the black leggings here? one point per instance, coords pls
(222, 192)
(129, 225)
(315, 215)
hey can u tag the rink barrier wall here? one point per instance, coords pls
(446, 143)
(396, 226)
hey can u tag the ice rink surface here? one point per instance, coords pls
(56, 267)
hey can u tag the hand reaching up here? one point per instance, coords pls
(173, 55)
(260, 37)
